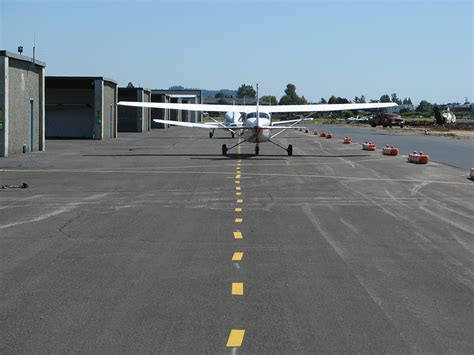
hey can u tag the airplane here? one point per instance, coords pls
(256, 125)
(232, 119)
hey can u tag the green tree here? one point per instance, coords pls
(385, 98)
(395, 99)
(337, 100)
(332, 100)
(220, 95)
(246, 91)
(362, 99)
(322, 101)
(407, 101)
(347, 114)
(269, 100)
(291, 97)
(424, 106)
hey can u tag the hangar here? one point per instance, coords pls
(81, 107)
(21, 104)
(134, 119)
(176, 96)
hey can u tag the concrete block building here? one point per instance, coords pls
(22, 104)
(134, 119)
(81, 107)
(176, 96)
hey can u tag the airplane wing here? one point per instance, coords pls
(190, 124)
(253, 108)
(290, 121)
(326, 107)
(189, 107)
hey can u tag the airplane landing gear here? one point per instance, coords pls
(257, 149)
(290, 150)
(224, 149)
(211, 134)
(232, 134)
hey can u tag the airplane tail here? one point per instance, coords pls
(258, 104)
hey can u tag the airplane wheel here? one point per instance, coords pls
(257, 150)
(290, 150)
(210, 135)
(232, 133)
(224, 150)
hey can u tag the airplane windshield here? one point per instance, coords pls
(260, 114)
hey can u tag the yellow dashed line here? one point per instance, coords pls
(237, 182)
(238, 193)
(240, 201)
(239, 220)
(238, 209)
(238, 188)
(238, 256)
(237, 176)
(238, 235)
(236, 338)
(237, 289)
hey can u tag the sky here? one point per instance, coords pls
(419, 49)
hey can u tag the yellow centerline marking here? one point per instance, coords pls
(238, 188)
(238, 193)
(237, 288)
(236, 338)
(240, 201)
(239, 220)
(237, 182)
(237, 176)
(238, 235)
(238, 209)
(238, 256)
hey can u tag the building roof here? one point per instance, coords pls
(49, 77)
(23, 58)
(123, 88)
(179, 93)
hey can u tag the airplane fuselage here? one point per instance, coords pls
(257, 134)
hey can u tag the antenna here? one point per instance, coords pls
(34, 46)
(257, 107)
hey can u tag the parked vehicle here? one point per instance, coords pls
(387, 119)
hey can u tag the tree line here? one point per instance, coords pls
(291, 97)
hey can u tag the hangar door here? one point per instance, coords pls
(70, 113)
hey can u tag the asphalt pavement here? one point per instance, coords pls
(155, 243)
(458, 153)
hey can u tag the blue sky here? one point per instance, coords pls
(421, 49)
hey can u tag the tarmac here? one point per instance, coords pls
(155, 243)
(455, 152)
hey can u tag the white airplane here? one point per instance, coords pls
(232, 119)
(256, 125)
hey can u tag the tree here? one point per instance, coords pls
(396, 99)
(424, 106)
(246, 91)
(385, 98)
(362, 99)
(220, 95)
(130, 85)
(322, 101)
(269, 99)
(291, 97)
(337, 100)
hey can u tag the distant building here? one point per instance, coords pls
(22, 104)
(176, 96)
(134, 119)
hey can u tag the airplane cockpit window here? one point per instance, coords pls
(260, 114)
